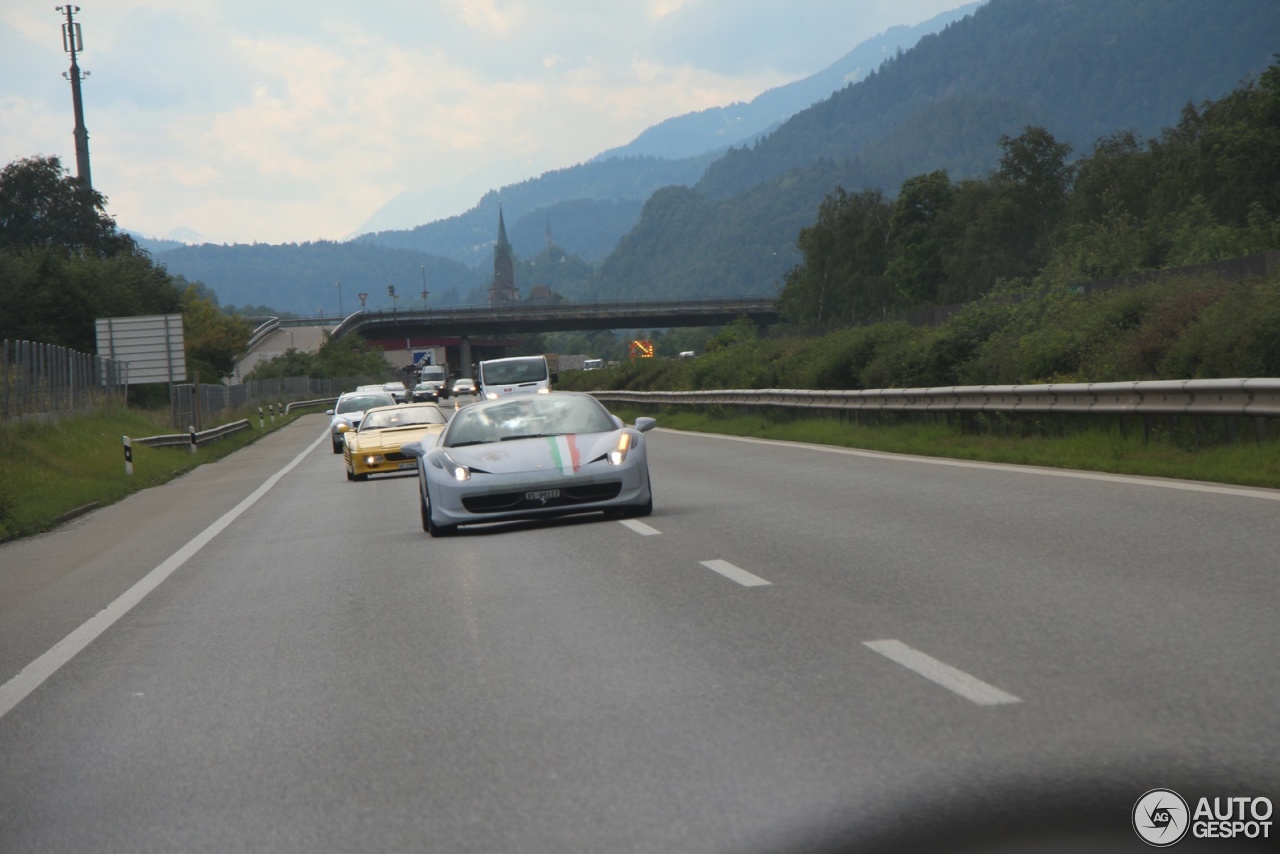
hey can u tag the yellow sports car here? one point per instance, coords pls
(374, 448)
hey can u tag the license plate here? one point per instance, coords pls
(543, 495)
(407, 466)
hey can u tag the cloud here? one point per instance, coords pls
(295, 121)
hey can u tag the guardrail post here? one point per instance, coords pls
(192, 431)
(261, 423)
(271, 409)
(280, 406)
(128, 455)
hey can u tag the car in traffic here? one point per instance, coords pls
(515, 375)
(438, 374)
(465, 385)
(427, 392)
(374, 448)
(398, 390)
(532, 456)
(350, 408)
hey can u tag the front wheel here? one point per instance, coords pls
(428, 524)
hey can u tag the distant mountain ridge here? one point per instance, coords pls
(673, 152)
(715, 225)
(719, 128)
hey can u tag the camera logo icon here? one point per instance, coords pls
(1161, 817)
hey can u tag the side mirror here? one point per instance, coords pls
(344, 428)
(644, 425)
(414, 449)
(328, 412)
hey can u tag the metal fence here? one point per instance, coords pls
(44, 382)
(197, 406)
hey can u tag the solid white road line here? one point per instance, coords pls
(1129, 479)
(732, 572)
(639, 527)
(945, 675)
(35, 673)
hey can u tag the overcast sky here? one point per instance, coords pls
(282, 121)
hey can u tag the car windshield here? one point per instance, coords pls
(523, 371)
(539, 415)
(402, 416)
(361, 402)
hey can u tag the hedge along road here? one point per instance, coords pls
(795, 633)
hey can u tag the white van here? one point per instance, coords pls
(437, 375)
(516, 375)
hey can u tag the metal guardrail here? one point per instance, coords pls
(332, 401)
(171, 440)
(1258, 397)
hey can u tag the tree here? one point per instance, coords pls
(43, 206)
(845, 253)
(214, 340)
(919, 244)
(1035, 175)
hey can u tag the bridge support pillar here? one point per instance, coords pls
(464, 356)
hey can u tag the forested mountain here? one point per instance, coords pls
(1079, 68)
(302, 278)
(718, 128)
(603, 201)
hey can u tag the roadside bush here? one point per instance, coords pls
(1238, 335)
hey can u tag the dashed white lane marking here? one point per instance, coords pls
(969, 687)
(35, 673)
(639, 527)
(732, 572)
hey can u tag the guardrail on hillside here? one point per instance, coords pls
(1258, 398)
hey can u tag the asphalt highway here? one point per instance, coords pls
(802, 649)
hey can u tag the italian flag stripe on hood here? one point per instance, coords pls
(564, 453)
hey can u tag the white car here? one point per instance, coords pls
(350, 408)
(532, 456)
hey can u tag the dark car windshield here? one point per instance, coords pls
(535, 415)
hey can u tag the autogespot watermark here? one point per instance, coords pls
(1162, 817)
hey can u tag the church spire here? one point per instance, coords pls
(503, 290)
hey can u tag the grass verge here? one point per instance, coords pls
(1103, 448)
(51, 471)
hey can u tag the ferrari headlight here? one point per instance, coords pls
(618, 454)
(455, 470)
(372, 459)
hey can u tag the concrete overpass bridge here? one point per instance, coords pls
(526, 318)
(469, 333)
